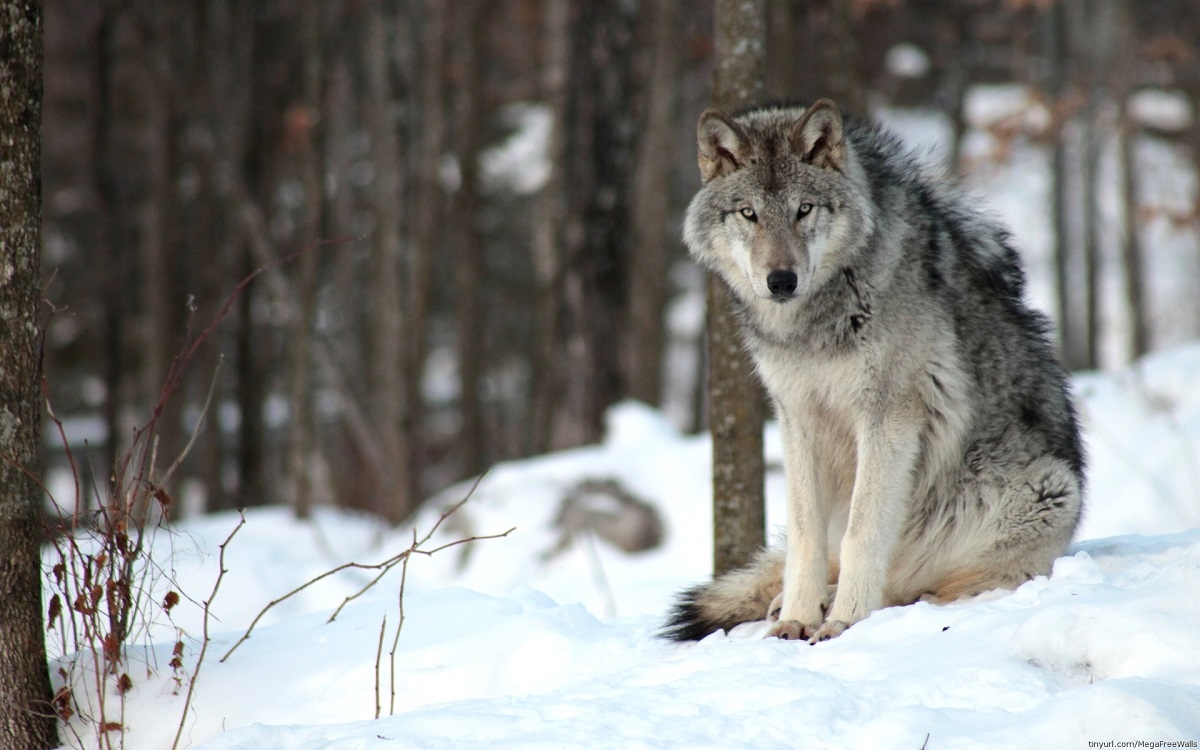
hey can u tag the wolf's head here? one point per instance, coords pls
(781, 206)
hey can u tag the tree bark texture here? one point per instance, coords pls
(735, 396)
(26, 719)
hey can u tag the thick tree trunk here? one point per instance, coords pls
(735, 397)
(26, 719)
(653, 238)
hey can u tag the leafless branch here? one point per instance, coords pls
(204, 643)
(378, 654)
(212, 387)
(382, 567)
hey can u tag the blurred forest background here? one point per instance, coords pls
(483, 201)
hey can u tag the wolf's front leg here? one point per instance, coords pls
(887, 453)
(806, 561)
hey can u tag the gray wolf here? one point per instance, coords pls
(931, 448)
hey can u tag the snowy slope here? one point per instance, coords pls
(504, 648)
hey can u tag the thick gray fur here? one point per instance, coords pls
(930, 443)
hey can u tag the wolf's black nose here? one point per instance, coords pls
(781, 283)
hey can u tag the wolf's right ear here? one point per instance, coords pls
(724, 145)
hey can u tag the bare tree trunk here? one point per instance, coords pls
(1095, 25)
(735, 397)
(250, 366)
(111, 251)
(134, 183)
(785, 71)
(469, 265)
(955, 58)
(1067, 334)
(593, 237)
(1089, 217)
(304, 132)
(387, 374)
(651, 203)
(27, 721)
(843, 76)
(547, 381)
(153, 211)
(1057, 43)
(1131, 246)
(427, 222)
(251, 393)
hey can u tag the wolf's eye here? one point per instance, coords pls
(748, 214)
(805, 210)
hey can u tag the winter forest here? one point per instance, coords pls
(315, 273)
(466, 214)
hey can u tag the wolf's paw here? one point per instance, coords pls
(775, 608)
(790, 630)
(831, 629)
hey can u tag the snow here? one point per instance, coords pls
(1158, 108)
(520, 164)
(991, 105)
(507, 645)
(907, 61)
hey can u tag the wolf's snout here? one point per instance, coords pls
(781, 284)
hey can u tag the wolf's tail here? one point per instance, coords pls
(738, 596)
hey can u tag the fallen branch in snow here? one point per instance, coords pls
(383, 567)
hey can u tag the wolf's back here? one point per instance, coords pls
(738, 596)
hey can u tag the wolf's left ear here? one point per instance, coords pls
(723, 145)
(817, 136)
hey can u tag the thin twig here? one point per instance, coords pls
(204, 644)
(378, 654)
(396, 639)
(385, 565)
(382, 567)
(212, 387)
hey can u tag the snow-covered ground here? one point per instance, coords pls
(513, 642)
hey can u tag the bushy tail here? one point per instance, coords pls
(738, 596)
